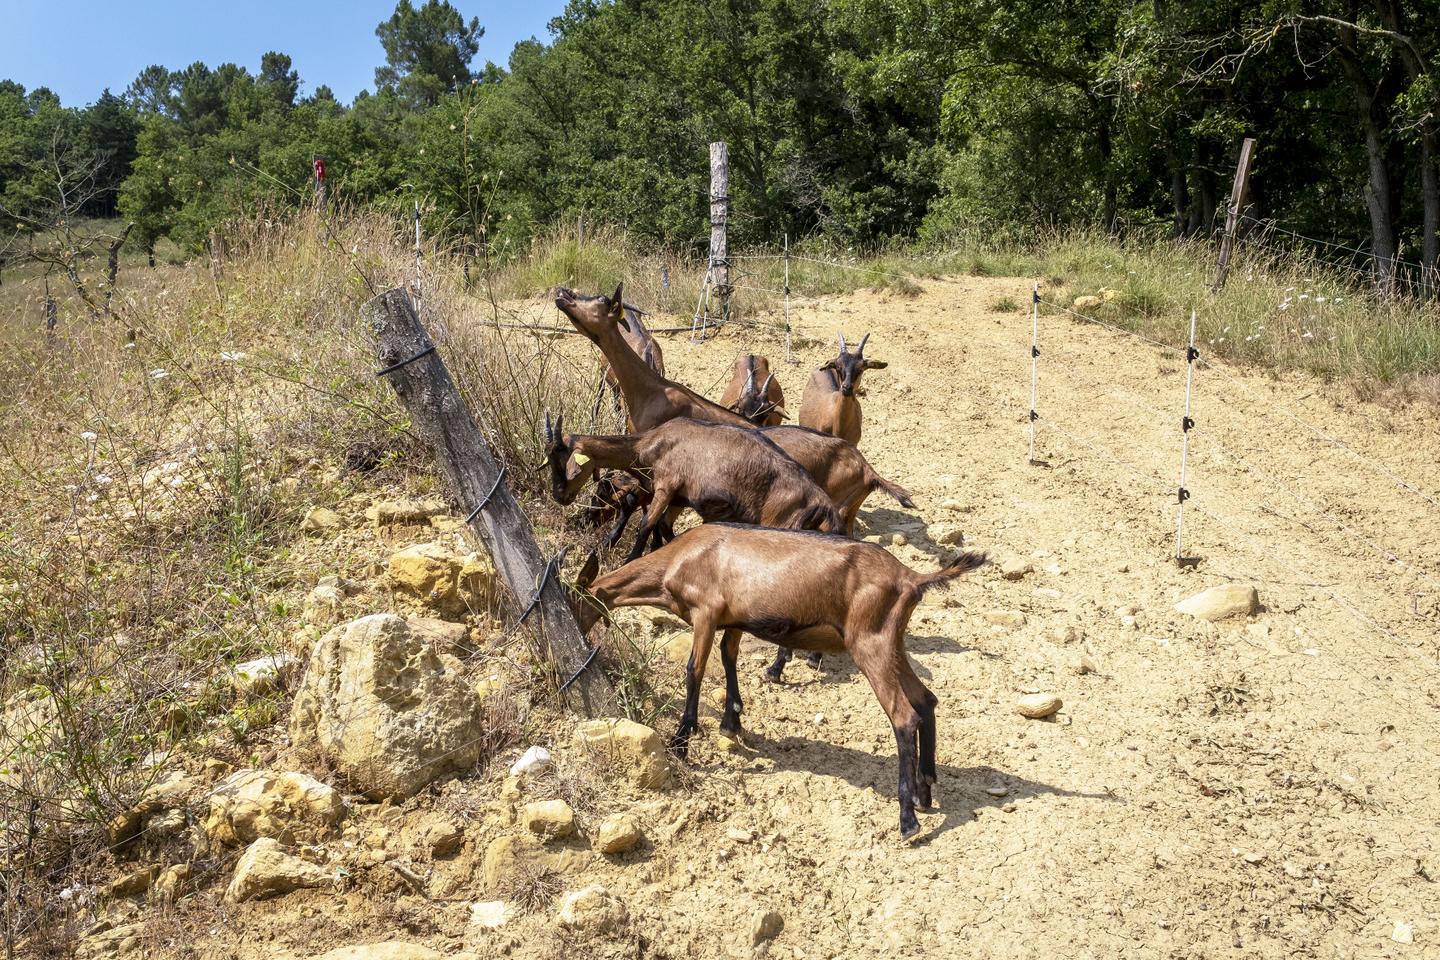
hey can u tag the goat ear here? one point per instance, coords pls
(781, 411)
(876, 364)
(618, 299)
(831, 364)
(588, 571)
(559, 425)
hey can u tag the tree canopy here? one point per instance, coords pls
(863, 120)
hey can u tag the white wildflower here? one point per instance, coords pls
(130, 346)
(1308, 335)
(103, 479)
(89, 436)
(1321, 299)
(159, 373)
(231, 356)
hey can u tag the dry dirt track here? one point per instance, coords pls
(1244, 789)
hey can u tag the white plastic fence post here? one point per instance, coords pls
(1034, 362)
(787, 298)
(1186, 424)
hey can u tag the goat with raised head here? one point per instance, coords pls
(804, 590)
(650, 399)
(835, 464)
(753, 392)
(643, 345)
(722, 472)
(829, 403)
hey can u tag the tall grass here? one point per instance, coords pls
(1280, 309)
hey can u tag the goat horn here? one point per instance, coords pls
(749, 383)
(549, 430)
(765, 389)
(861, 349)
(559, 425)
(841, 336)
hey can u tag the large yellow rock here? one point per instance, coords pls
(389, 710)
(442, 579)
(630, 749)
(286, 806)
(266, 869)
(1219, 603)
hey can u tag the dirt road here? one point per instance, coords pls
(1251, 788)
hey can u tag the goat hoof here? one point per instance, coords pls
(908, 831)
(772, 676)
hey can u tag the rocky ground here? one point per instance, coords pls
(1262, 784)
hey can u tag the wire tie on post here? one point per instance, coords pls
(1034, 350)
(1186, 424)
(1034, 415)
(396, 366)
(485, 500)
(1184, 495)
(583, 667)
(1191, 354)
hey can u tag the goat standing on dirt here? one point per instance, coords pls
(753, 392)
(644, 346)
(722, 472)
(829, 403)
(805, 590)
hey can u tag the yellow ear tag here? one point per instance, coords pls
(581, 459)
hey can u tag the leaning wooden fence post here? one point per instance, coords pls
(438, 414)
(1232, 212)
(719, 214)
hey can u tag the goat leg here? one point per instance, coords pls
(782, 657)
(694, 673)
(906, 756)
(625, 509)
(729, 653)
(652, 518)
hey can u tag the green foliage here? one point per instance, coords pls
(427, 51)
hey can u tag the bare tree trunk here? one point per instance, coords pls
(1379, 192)
(112, 264)
(1417, 70)
(1179, 190)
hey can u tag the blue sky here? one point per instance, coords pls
(108, 42)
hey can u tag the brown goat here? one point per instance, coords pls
(722, 472)
(650, 399)
(836, 465)
(753, 392)
(644, 346)
(806, 590)
(829, 403)
(616, 497)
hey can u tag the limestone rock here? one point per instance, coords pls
(393, 950)
(1063, 633)
(442, 579)
(1218, 603)
(1087, 302)
(171, 883)
(444, 838)
(133, 883)
(324, 604)
(386, 708)
(1037, 706)
(550, 819)
(112, 942)
(499, 861)
(321, 520)
(946, 534)
(626, 747)
(592, 910)
(389, 513)
(765, 925)
(285, 806)
(447, 637)
(489, 915)
(1015, 568)
(618, 833)
(263, 674)
(534, 760)
(1005, 618)
(266, 869)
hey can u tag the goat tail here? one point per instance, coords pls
(964, 563)
(821, 516)
(894, 490)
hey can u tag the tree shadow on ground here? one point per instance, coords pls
(886, 520)
(960, 791)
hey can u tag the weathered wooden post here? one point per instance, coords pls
(112, 263)
(1232, 212)
(438, 414)
(719, 214)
